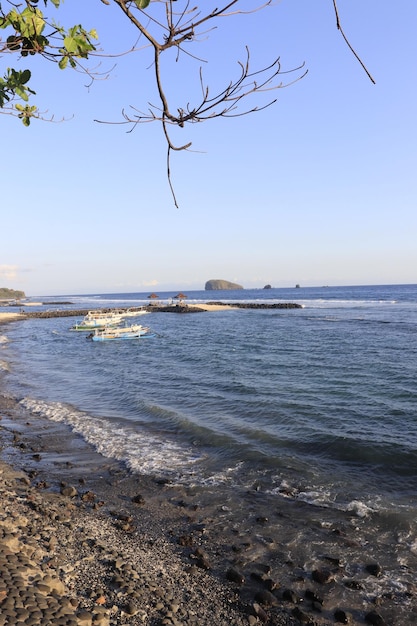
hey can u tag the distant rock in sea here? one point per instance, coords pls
(268, 287)
(215, 284)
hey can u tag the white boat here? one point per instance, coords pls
(121, 332)
(133, 312)
(97, 319)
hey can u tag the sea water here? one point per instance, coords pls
(316, 404)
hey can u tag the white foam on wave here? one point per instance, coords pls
(360, 509)
(3, 339)
(141, 451)
(323, 498)
(4, 366)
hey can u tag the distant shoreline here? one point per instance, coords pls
(152, 308)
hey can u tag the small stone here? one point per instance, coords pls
(131, 609)
(270, 584)
(259, 612)
(69, 491)
(300, 615)
(235, 576)
(313, 597)
(266, 598)
(353, 584)
(321, 576)
(341, 617)
(374, 569)
(84, 618)
(375, 619)
(289, 595)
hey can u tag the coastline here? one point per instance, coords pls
(178, 555)
(84, 540)
(10, 317)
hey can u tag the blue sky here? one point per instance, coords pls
(318, 189)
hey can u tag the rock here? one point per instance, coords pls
(201, 559)
(69, 491)
(353, 584)
(265, 598)
(235, 576)
(341, 617)
(84, 618)
(214, 284)
(321, 576)
(259, 612)
(374, 568)
(313, 597)
(290, 596)
(375, 618)
(300, 615)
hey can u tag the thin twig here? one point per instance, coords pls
(339, 27)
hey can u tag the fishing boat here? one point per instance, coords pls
(133, 312)
(98, 320)
(135, 331)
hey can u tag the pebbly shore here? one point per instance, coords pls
(84, 542)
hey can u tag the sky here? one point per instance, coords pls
(318, 189)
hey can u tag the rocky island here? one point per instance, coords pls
(217, 284)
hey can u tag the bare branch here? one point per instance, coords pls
(339, 27)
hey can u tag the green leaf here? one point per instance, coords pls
(31, 22)
(142, 4)
(71, 45)
(25, 77)
(20, 91)
(63, 63)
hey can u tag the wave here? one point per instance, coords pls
(141, 451)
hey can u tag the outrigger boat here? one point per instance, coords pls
(125, 332)
(94, 320)
(133, 312)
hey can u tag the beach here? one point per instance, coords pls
(89, 539)
(84, 543)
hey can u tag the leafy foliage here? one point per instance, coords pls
(29, 32)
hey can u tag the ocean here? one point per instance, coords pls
(315, 405)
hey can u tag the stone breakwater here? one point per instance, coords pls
(160, 308)
(259, 305)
